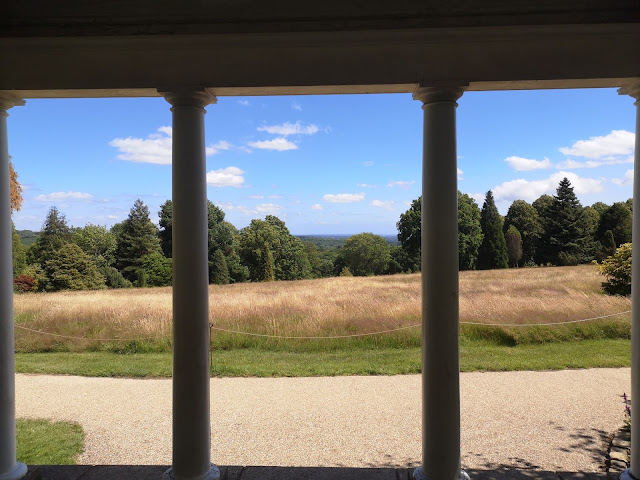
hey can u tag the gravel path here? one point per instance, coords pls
(547, 420)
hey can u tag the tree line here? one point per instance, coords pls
(137, 252)
(553, 230)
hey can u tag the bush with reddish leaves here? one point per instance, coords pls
(25, 283)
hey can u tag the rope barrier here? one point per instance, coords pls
(285, 337)
(91, 338)
(545, 324)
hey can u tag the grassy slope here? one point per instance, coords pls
(41, 442)
(330, 307)
(474, 355)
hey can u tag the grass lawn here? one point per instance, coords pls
(41, 442)
(475, 355)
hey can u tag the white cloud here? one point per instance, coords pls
(401, 183)
(290, 129)
(626, 180)
(524, 164)
(296, 106)
(217, 147)
(460, 173)
(618, 142)
(343, 197)
(366, 185)
(387, 205)
(570, 164)
(478, 197)
(368, 164)
(280, 144)
(316, 206)
(225, 177)
(275, 197)
(156, 148)
(256, 197)
(57, 196)
(529, 190)
(269, 208)
(244, 103)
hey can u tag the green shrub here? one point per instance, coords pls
(617, 269)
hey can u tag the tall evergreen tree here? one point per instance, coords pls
(54, 234)
(493, 250)
(166, 227)
(138, 237)
(566, 241)
(218, 270)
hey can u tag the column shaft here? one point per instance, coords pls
(634, 472)
(635, 309)
(9, 468)
(191, 422)
(440, 363)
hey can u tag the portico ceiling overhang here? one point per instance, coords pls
(112, 48)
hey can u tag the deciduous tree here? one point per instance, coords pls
(16, 189)
(290, 261)
(525, 219)
(514, 246)
(469, 232)
(366, 254)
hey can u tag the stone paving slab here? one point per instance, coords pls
(154, 472)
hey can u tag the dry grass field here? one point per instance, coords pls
(141, 318)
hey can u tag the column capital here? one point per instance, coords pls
(633, 90)
(188, 97)
(8, 100)
(442, 93)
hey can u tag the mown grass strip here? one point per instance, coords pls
(41, 442)
(475, 355)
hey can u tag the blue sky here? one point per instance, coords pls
(324, 164)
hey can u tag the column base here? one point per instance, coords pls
(212, 474)
(626, 475)
(419, 475)
(17, 472)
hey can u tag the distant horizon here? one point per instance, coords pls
(334, 163)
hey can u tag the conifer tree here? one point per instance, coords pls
(54, 234)
(218, 269)
(138, 237)
(493, 250)
(566, 241)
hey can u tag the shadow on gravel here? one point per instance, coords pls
(154, 472)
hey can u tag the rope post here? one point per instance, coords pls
(210, 349)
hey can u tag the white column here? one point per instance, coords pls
(9, 468)
(191, 423)
(634, 471)
(440, 363)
